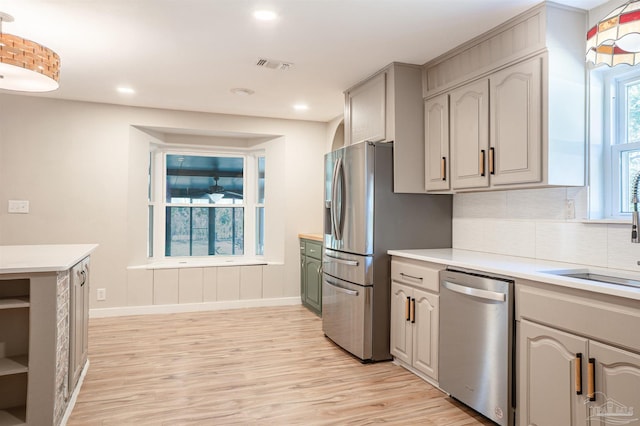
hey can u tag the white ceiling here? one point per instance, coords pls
(188, 54)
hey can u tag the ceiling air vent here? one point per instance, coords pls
(274, 64)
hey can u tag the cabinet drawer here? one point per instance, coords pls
(416, 273)
(600, 317)
(303, 247)
(313, 249)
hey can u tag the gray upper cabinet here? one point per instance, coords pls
(436, 133)
(367, 110)
(515, 152)
(388, 107)
(470, 135)
(517, 103)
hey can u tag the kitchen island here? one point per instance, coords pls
(43, 316)
(577, 355)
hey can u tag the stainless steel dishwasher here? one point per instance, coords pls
(477, 342)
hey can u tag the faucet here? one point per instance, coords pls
(634, 213)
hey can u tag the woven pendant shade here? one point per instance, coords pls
(26, 65)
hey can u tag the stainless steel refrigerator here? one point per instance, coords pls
(363, 218)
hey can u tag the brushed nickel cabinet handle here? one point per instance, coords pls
(578, 373)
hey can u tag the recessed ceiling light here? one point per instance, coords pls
(301, 107)
(265, 15)
(126, 90)
(241, 91)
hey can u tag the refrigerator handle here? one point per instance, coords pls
(332, 203)
(338, 216)
(343, 194)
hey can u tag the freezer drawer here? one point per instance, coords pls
(354, 268)
(346, 315)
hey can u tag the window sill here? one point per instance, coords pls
(607, 221)
(200, 263)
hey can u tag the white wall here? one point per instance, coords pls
(79, 166)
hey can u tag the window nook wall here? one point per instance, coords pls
(83, 167)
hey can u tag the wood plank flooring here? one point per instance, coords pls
(262, 366)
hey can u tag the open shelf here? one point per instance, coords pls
(15, 310)
(13, 416)
(14, 302)
(14, 365)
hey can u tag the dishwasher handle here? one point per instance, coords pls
(476, 292)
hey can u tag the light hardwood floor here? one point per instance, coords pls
(264, 366)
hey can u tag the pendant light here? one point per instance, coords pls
(616, 38)
(25, 65)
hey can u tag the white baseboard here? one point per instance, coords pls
(192, 307)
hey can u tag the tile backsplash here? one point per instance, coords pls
(548, 224)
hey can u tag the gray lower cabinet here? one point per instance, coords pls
(311, 275)
(415, 316)
(548, 361)
(578, 357)
(571, 380)
(78, 321)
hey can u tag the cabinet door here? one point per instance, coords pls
(617, 385)
(516, 124)
(425, 333)
(86, 292)
(77, 324)
(469, 138)
(367, 110)
(303, 274)
(401, 327)
(547, 380)
(314, 283)
(436, 134)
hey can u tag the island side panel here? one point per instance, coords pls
(62, 347)
(42, 349)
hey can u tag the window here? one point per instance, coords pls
(625, 151)
(206, 204)
(260, 207)
(614, 139)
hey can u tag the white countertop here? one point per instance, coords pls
(525, 268)
(42, 258)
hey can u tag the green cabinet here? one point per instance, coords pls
(311, 274)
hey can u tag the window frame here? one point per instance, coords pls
(259, 237)
(607, 126)
(619, 143)
(158, 203)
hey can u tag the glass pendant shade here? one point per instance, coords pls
(616, 38)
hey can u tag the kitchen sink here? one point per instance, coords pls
(591, 276)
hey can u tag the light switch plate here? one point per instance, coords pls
(18, 206)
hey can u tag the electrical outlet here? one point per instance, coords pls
(570, 209)
(102, 294)
(18, 206)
